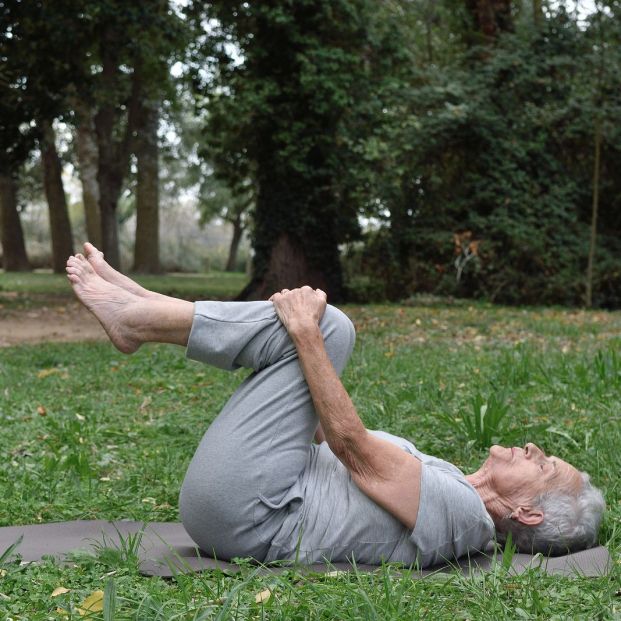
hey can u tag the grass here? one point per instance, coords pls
(88, 433)
(24, 290)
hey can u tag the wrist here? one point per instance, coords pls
(302, 328)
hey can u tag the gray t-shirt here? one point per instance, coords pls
(336, 521)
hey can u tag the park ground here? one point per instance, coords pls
(88, 433)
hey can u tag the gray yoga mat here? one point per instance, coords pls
(166, 549)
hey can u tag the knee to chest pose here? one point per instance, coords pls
(258, 486)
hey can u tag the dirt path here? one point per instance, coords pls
(62, 322)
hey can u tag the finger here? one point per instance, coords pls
(283, 291)
(322, 293)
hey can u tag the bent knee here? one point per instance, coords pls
(339, 335)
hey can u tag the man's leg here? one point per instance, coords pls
(246, 475)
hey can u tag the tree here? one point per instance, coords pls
(36, 80)
(60, 226)
(114, 120)
(499, 144)
(144, 37)
(16, 141)
(13, 247)
(87, 165)
(277, 115)
(146, 254)
(217, 200)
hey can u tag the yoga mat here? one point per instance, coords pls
(166, 549)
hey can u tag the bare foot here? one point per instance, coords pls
(107, 272)
(116, 309)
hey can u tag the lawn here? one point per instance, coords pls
(88, 433)
(23, 290)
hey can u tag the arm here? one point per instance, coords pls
(384, 472)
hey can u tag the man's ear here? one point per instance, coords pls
(528, 516)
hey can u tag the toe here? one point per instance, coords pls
(91, 251)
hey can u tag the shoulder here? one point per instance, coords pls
(452, 519)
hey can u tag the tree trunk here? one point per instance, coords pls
(146, 253)
(238, 231)
(113, 153)
(537, 13)
(288, 268)
(14, 256)
(292, 249)
(60, 226)
(429, 18)
(594, 213)
(109, 185)
(491, 17)
(86, 147)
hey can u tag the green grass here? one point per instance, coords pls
(23, 290)
(88, 433)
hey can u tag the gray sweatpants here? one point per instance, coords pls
(244, 479)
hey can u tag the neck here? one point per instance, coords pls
(495, 505)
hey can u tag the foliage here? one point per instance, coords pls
(481, 424)
(498, 145)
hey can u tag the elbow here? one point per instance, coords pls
(350, 452)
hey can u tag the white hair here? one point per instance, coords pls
(570, 522)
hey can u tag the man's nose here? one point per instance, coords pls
(532, 450)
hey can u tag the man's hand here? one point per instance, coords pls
(299, 309)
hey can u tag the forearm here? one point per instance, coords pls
(339, 420)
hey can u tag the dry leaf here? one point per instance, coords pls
(59, 591)
(41, 411)
(93, 603)
(263, 596)
(2, 573)
(80, 417)
(145, 404)
(55, 371)
(335, 573)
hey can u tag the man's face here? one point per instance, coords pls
(519, 475)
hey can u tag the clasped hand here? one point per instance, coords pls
(299, 308)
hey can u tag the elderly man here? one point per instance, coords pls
(257, 486)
